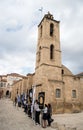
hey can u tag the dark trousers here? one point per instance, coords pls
(37, 114)
(48, 119)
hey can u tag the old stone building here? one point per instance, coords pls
(51, 79)
(6, 82)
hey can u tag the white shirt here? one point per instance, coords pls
(36, 107)
(45, 110)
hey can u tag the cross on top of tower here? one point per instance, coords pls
(49, 15)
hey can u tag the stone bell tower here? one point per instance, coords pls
(48, 71)
(48, 56)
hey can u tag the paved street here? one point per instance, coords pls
(70, 120)
(12, 118)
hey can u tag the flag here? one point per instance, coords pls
(33, 101)
(33, 96)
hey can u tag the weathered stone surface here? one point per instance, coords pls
(54, 125)
(61, 127)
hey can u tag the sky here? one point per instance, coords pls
(19, 21)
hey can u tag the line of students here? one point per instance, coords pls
(40, 116)
(46, 114)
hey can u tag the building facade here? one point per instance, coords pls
(6, 82)
(54, 81)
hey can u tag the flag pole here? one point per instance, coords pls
(33, 101)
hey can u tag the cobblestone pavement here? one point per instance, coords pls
(13, 118)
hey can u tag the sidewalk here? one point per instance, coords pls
(12, 118)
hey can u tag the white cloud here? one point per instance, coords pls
(18, 33)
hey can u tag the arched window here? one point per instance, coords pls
(51, 51)
(41, 31)
(62, 71)
(51, 29)
(73, 93)
(58, 93)
(39, 54)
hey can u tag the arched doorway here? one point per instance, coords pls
(7, 93)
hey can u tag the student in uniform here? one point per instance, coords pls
(45, 116)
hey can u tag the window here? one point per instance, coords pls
(51, 29)
(62, 71)
(73, 93)
(41, 31)
(51, 51)
(58, 93)
(4, 84)
(39, 54)
(1, 84)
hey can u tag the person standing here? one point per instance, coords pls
(37, 112)
(45, 116)
(19, 101)
(15, 101)
(49, 114)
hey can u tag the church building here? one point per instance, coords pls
(55, 82)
